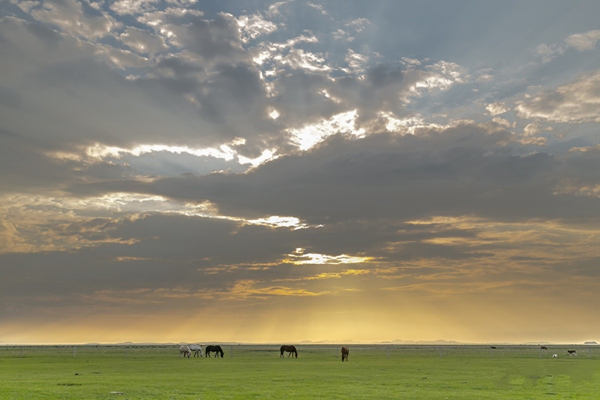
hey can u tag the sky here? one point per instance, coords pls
(299, 171)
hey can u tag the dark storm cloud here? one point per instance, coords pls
(199, 254)
(458, 171)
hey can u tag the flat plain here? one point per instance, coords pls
(257, 372)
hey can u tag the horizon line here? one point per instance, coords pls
(381, 343)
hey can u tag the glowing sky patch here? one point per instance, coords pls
(310, 135)
(299, 257)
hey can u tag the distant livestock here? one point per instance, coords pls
(572, 352)
(185, 351)
(493, 347)
(543, 348)
(214, 349)
(345, 353)
(554, 355)
(197, 349)
(291, 350)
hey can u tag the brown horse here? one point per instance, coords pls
(289, 349)
(345, 353)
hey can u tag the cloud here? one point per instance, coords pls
(312, 134)
(142, 41)
(496, 108)
(253, 26)
(463, 169)
(351, 29)
(210, 39)
(158, 159)
(584, 41)
(133, 6)
(175, 101)
(575, 102)
(75, 18)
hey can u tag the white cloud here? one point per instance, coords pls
(227, 152)
(407, 125)
(26, 6)
(285, 54)
(265, 156)
(584, 41)
(439, 76)
(301, 59)
(356, 62)
(274, 114)
(358, 24)
(276, 221)
(123, 7)
(299, 257)
(70, 16)
(353, 27)
(496, 108)
(310, 135)
(253, 26)
(120, 58)
(318, 7)
(142, 41)
(274, 8)
(579, 41)
(575, 102)
(533, 128)
(327, 95)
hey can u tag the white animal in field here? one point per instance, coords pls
(185, 351)
(554, 355)
(197, 349)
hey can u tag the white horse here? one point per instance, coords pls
(197, 349)
(554, 355)
(185, 350)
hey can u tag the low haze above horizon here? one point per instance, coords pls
(295, 171)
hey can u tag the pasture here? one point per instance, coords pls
(257, 372)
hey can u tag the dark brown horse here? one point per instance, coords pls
(345, 353)
(289, 349)
(214, 349)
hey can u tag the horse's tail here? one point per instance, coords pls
(281, 352)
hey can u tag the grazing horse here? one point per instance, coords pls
(345, 353)
(572, 352)
(197, 349)
(554, 355)
(185, 351)
(289, 349)
(543, 348)
(493, 347)
(214, 349)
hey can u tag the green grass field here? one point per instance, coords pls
(257, 372)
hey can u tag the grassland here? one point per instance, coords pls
(257, 372)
